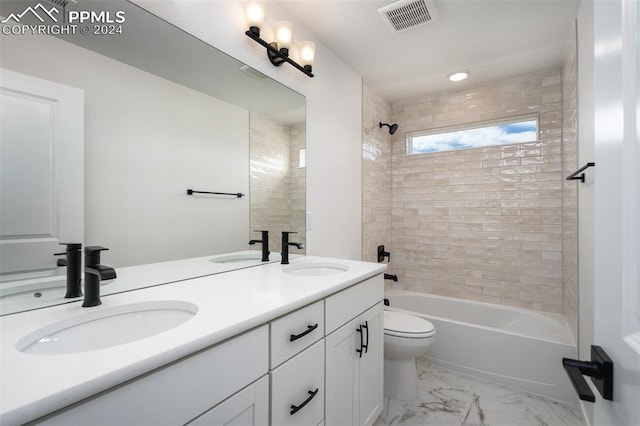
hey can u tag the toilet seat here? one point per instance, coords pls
(408, 326)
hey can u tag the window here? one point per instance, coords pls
(479, 135)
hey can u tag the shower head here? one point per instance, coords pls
(392, 127)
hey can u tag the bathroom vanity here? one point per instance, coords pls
(273, 344)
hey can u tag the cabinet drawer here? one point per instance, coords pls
(297, 389)
(348, 304)
(178, 392)
(295, 332)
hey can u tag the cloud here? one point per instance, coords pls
(503, 134)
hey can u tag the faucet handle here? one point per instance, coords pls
(94, 249)
(92, 255)
(72, 246)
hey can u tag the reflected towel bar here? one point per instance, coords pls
(235, 194)
(573, 176)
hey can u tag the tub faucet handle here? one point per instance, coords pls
(382, 254)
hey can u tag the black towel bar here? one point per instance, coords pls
(574, 175)
(235, 194)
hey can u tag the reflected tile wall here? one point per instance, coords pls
(482, 224)
(277, 183)
(570, 188)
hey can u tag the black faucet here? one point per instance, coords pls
(73, 262)
(265, 245)
(285, 246)
(393, 277)
(94, 272)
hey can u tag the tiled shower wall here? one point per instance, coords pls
(569, 188)
(376, 175)
(277, 183)
(486, 223)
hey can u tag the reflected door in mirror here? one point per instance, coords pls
(41, 173)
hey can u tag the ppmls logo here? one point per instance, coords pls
(38, 11)
(43, 20)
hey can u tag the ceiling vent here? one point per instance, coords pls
(406, 14)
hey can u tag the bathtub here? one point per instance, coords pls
(511, 346)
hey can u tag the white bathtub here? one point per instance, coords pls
(512, 346)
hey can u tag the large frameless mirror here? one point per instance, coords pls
(102, 136)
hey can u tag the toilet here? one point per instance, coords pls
(405, 337)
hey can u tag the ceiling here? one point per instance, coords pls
(493, 39)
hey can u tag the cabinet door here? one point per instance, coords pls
(249, 407)
(371, 365)
(342, 369)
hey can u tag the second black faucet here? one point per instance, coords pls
(94, 272)
(285, 246)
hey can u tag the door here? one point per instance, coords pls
(371, 366)
(614, 302)
(342, 369)
(249, 407)
(41, 173)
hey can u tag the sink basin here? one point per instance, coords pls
(41, 291)
(106, 327)
(238, 257)
(316, 269)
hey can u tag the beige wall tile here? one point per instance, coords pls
(482, 224)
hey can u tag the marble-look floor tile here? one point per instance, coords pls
(447, 397)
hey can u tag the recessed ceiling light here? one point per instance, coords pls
(458, 75)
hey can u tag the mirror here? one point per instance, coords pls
(163, 112)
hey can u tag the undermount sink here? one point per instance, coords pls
(41, 291)
(238, 257)
(316, 269)
(106, 327)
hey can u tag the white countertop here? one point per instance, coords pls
(228, 304)
(130, 278)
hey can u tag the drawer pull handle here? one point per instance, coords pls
(359, 330)
(309, 329)
(296, 408)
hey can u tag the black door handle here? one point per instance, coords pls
(600, 369)
(359, 330)
(309, 329)
(366, 345)
(296, 408)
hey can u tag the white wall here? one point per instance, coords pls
(334, 115)
(146, 141)
(586, 190)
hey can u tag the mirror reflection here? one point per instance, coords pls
(119, 127)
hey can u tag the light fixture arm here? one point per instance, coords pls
(277, 57)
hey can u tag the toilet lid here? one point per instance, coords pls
(399, 324)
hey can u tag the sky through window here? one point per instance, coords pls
(477, 137)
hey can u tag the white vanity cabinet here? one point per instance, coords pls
(320, 364)
(182, 391)
(354, 354)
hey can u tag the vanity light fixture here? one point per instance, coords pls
(458, 75)
(278, 51)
